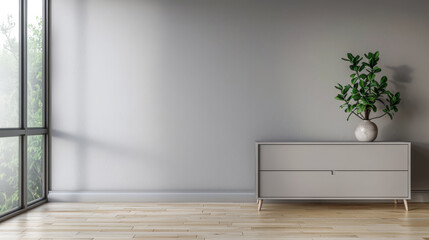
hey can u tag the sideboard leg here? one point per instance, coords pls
(396, 201)
(257, 201)
(406, 205)
(260, 205)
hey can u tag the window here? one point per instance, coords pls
(9, 64)
(9, 174)
(35, 63)
(23, 105)
(35, 168)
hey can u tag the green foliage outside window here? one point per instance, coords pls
(35, 74)
(9, 150)
(34, 167)
(9, 173)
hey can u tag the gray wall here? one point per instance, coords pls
(170, 96)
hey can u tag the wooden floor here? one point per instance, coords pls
(219, 221)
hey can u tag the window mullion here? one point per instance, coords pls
(23, 117)
(46, 105)
(23, 63)
(24, 171)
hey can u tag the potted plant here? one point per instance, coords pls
(365, 94)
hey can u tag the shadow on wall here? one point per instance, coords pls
(80, 35)
(409, 108)
(400, 80)
(401, 76)
(85, 143)
(419, 165)
(80, 167)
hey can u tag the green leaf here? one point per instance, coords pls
(345, 59)
(360, 108)
(353, 75)
(363, 76)
(371, 76)
(362, 83)
(377, 54)
(350, 56)
(395, 108)
(383, 79)
(340, 97)
(354, 80)
(356, 97)
(346, 89)
(347, 109)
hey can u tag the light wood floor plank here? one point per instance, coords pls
(339, 221)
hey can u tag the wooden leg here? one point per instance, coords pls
(396, 201)
(260, 204)
(406, 205)
(257, 201)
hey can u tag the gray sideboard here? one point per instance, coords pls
(333, 171)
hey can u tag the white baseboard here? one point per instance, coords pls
(94, 196)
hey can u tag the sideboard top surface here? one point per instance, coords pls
(336, 143)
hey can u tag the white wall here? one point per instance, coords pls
(170, 96)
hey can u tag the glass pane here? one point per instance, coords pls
(9, 64)
(35, 63)
(9, 173)
(35, 170)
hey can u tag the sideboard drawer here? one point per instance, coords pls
(340, 184)
(333, 157)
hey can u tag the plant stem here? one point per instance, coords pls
(378, 116)
(354, 114)
(357, 115)
(348, 103)
(367, 111)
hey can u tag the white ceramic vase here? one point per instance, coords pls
(366, 131)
